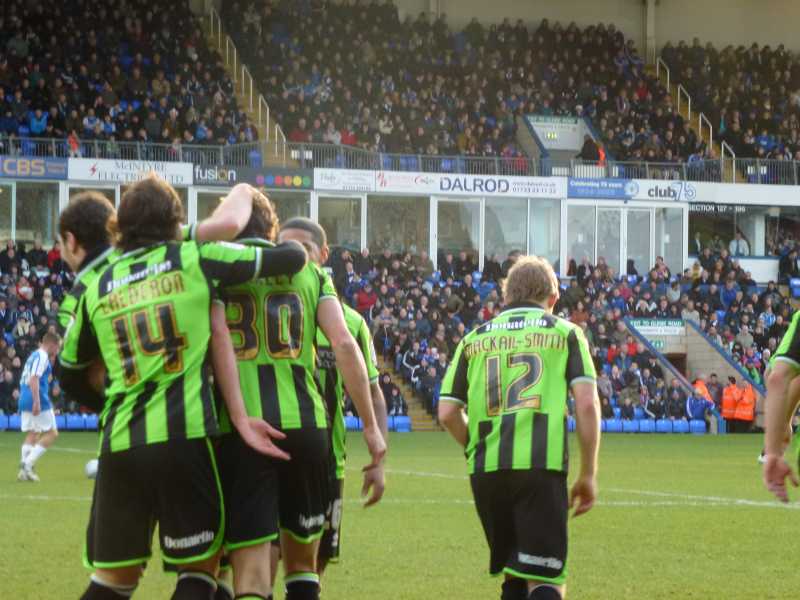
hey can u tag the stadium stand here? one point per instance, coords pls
(355, 75)
(135, 81)
(749, 93)
(417, 317)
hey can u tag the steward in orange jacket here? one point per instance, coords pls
(730, 398)
(746, 406)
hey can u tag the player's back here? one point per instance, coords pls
(150, 311)
(38, 364)
(514, 373)
(273, 325)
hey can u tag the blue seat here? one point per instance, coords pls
(255, 160)
(613, 426)
(603, 426)
(630, 426)
(402, 424)
(638, 413)
(76, 422)
(3, 422)
(447, 165)
(92, 422)
(681, 426)
(386, 161)
(720, 314)
(697, 426)
(570, 423)
(664, 426)
(413, 163)
(61, 422)
(617, 412)
(647, 426)
(351, 423)
(14, 422)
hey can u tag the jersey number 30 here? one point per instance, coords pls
(518, 393)
(283, 325)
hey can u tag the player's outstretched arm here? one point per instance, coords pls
(354, 372)
(587, 425)
(230, 217)
(778, 406)
(256, 433)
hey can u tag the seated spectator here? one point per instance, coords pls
(626, 411)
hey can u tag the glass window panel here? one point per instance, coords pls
(5, 212)
(289, 204)
(545, 230)
(638, 242)
(110, 193)
(37, 212)
(207, 203)
(580, 233)
(459, 227)
(341, 219)
(716, 225)
(506, 224)
(669, 237)
(401, 224)
(609, 221)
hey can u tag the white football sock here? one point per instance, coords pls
(26, 449)
(34, 455)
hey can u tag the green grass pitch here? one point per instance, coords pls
(679, 517)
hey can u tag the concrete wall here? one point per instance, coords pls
(627, 15)
(722, 22)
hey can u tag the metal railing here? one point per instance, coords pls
(235, 155)
(682, 93)
(701, 119)
(662, 66)
(274, 138)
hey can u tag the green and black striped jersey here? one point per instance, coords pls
(70, 309)
(273, 325)
(148, 316)
(513, 375)
(788, 351)
(332, 383)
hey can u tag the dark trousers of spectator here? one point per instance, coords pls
(739, 426)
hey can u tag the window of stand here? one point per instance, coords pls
(761, 229)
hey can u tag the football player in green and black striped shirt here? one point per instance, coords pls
(313, 237)
(504, 398)
(273, 324)
(146, 316)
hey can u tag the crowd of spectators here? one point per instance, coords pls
(132, 71)
(417, 317)
(354, 73)
(750, 94)
(32, 285)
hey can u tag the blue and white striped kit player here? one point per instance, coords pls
(38, 420)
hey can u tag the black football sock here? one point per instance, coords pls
(224, 591)
(514, 589)
(545, 592)
(195, 585)
(101, 591)
(302, 586)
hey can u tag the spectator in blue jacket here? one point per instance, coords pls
(728, 293)
(696, 407)
(37, 122)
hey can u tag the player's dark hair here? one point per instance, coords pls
(150, 213)
(86, 217)
(315, 229)
(263, 221)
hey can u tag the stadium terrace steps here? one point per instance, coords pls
(705, 356)
(272, 154)
(421, 420)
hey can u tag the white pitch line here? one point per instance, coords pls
(721, 499)
(58, 448)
